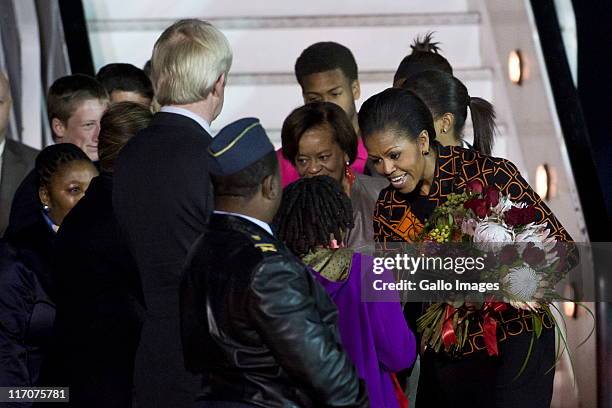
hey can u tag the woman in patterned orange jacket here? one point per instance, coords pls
(399, 134)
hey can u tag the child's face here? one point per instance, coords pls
(83, 126)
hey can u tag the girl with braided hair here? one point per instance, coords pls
(27, 281)
(314, 215)
(313, 209)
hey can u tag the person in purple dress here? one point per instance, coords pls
(313, 219)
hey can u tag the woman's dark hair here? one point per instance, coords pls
(311, 210)
(396, 109)
(118, 125)
(425, 56)
(315, 115)
(53, 158)
(443, 93)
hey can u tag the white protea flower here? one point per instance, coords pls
(536, 233)
(522, 283)
(540, 236)
(489, 234)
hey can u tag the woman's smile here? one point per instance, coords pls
(398, 181)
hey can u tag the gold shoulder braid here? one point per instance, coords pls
(332, 264)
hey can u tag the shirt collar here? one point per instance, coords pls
(2, 144)
(50, 223)
(465, 144)
(246, 217)
(185, 112)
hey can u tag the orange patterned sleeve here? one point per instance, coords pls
(509, 180)
(394, 220)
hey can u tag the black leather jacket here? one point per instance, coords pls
(258, 326)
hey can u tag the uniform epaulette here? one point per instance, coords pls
(264, 244)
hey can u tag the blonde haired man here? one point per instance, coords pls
(202, 56)
(162, 196)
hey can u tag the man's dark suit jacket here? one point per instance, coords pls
(17, 161)
(99, 302)
(162, 199)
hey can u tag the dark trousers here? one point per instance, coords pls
(534, 387)
(480, 381)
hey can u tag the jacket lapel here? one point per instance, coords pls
(14, 169)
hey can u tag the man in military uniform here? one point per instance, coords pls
(253, 320)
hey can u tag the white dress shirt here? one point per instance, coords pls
(180, 111)
(255, 221)
(2, 144)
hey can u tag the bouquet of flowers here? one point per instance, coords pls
(521, 255)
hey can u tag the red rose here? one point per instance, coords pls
(561, 248)
(508, 255)
(491, 194)
(513, 216)
(479, 206)
(520, 216)
(482, 209)
(470, 204)
(530, 214)
(533, 256)
(475, 186)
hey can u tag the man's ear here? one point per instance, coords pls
(58, 128)
(356, 89)
(219, 84)
(270, 187)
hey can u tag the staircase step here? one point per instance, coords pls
(284, 78)
(208, 9)
(272, 97)
(301, 21)
(272, 44)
